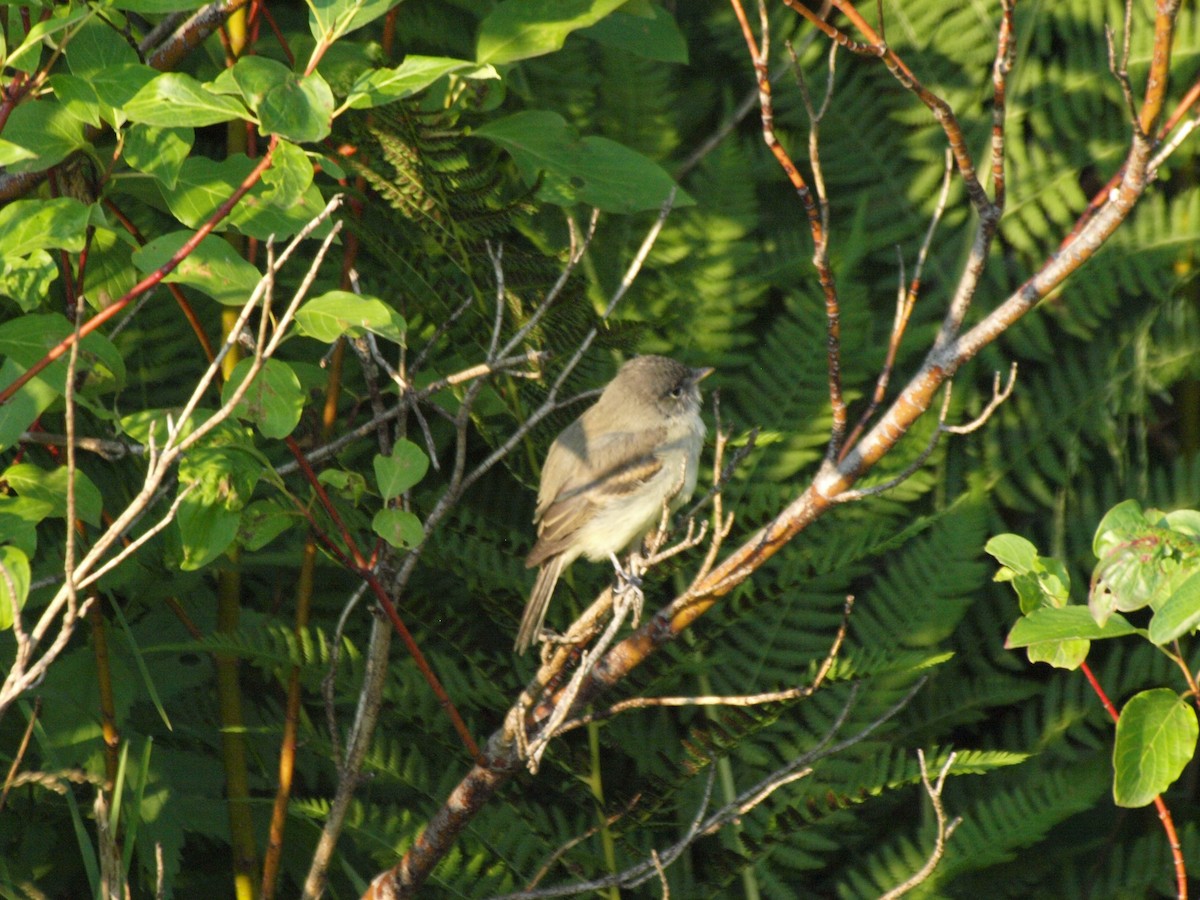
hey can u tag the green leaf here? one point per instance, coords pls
(273, 401)
(256, 76)
(397, 473)
(1119, 524)
(289, 176)
(1064, 623)
(214, 267)
(27, 55)
(78, 97)
(23, 407)
(346, 484)
(27, 279)
(204, 184)
(160, 152)
(520, 29)
(651, 36)
(263, 521)
(19, 519)
(223, 476)
(1013, 551)
(398, 527)
(44, 129)
(379, 86)
(204, 532)
(330, 19)
(174, 99)
(97, 47)
(14, 583)
(1180, 615)
(23, 342)
(1060, 654)
(592, 170)
(299, 109)
(1156, 738)
(1185, 521)
(27, 225)
(50, 487)
(337, 313)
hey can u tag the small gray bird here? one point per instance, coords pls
(609, 473)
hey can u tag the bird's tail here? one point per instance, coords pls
(539, 602)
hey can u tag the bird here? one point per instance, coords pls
(608, 474)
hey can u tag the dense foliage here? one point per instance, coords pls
(465, 136)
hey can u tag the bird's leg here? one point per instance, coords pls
(628, 592)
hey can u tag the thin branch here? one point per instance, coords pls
(796, 693)
(944, 827)
(998, 396)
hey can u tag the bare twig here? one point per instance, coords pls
(945, 827)
(796, 693)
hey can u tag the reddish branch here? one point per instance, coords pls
(360, 566)
(950, 352)
(1164, 814)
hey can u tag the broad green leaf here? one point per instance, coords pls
(1060, 654)
(23, 407)
(160, 152)
(223, 476)
(14, 583)
(299, 110)
(204, 532)
(214, 267)
(349, 485)
(651, 36)
(1156, 738)
(273, 401)
(27, 279)
(337, 313)
(19, 519)
(1013, 551)
(1185, 521)
(204, 184)
(379, 86)
(117, 86)
(255, 76)
(1180, 615)
(44, 128)
(23, 342)
(592, 170)
(1118, 525)
(1064, 623)
(50, 487)
(289, 176)
(174, 99)
(398, 527)
(520, 29)
(79, 98)
(259, 215)
(27, 225)
(97, 47)
(263, 521)
(397, 473)
(330, 19)
(26, 57)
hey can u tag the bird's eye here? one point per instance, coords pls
(677, 391)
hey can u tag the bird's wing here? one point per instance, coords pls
(575, 483)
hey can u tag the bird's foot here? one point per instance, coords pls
(628, 594)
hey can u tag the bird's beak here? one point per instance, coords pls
(698, 375)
